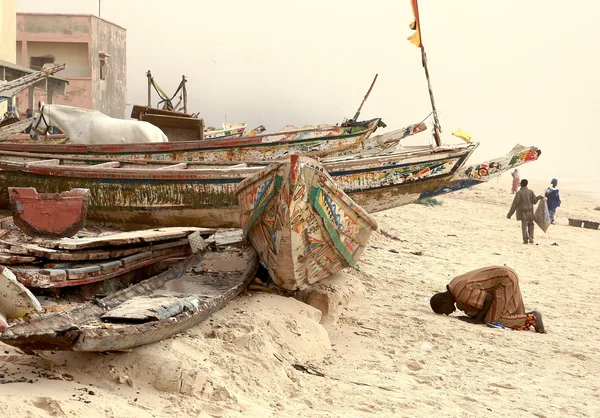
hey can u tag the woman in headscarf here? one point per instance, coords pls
(516, 180)
(553, 199)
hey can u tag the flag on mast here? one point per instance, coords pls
(415, 38)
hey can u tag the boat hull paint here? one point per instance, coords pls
(143, 198)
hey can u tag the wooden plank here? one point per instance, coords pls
(138, 110)
(125, 238)
(173, 122)
(110, 164)
(43, 282)
(142, 309)
(224, 238)
(44, 162)
(6, 222)
(10, 259)
(83, 272)
(135, 258)
(89, 255)
(180, 166)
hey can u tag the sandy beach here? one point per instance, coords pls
(388, 354)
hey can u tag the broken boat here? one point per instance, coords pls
(303, 226)
(149, 311)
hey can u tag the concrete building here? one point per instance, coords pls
(8, 25)
(93, 49)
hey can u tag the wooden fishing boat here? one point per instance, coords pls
(149, 311)
(195, 194)
(316, 141)
(303, 226)
(228, 130)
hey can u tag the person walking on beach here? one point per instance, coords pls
(488, 295)
(553, 199)
(523, 205)
(516, 180)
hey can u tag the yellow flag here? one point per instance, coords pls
(415, 38)
(462, 135)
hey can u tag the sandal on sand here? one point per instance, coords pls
(496, 325)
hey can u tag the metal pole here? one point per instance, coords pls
(149, 75)
(99, 3)
(363, 102)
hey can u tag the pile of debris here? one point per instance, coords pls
(76, 261)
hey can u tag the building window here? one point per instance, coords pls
(36, 63)
(102, 68)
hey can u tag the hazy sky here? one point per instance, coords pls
(506, 71)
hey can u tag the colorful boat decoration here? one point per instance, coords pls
(484, 172)
(303, 226)
(228, 130)
(317, 141)
(202, 194)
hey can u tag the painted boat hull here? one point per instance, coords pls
(146, 198)
(48, 215)
(303, 226)
(330, 140)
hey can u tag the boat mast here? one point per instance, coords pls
(355, 118)
(416, 40)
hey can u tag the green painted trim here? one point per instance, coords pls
(314, 194)
(258, 211)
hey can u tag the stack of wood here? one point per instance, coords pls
(77, 261)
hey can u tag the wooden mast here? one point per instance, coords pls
(416, 39)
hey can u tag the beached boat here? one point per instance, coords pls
(303, 226)
(149, 311)
(316, 141)
(228, 130)
(153, 194)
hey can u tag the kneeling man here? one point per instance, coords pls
(487, 295)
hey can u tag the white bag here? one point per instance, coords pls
(542, 215)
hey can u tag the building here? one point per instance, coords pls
(8, 24)
(93, 49)
(8, 30)
(10, 71)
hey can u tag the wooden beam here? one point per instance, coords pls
(44, 162)
(180, 166)
(110, 164)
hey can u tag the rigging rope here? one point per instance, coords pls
(163, 95)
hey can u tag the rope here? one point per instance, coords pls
(163, 95)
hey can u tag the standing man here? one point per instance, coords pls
(523, 205)
(553, 198)
(488, 295)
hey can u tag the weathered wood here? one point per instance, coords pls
(57, 278)
(125, 238)
(6, 222)
(81, 328)
(302, 225)
(45, 162)
(93, 254)
(10, 258)
(49, 215)
(180, 166)
(325, 140)
(110, 164)
(142, 198)
(15, 299)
